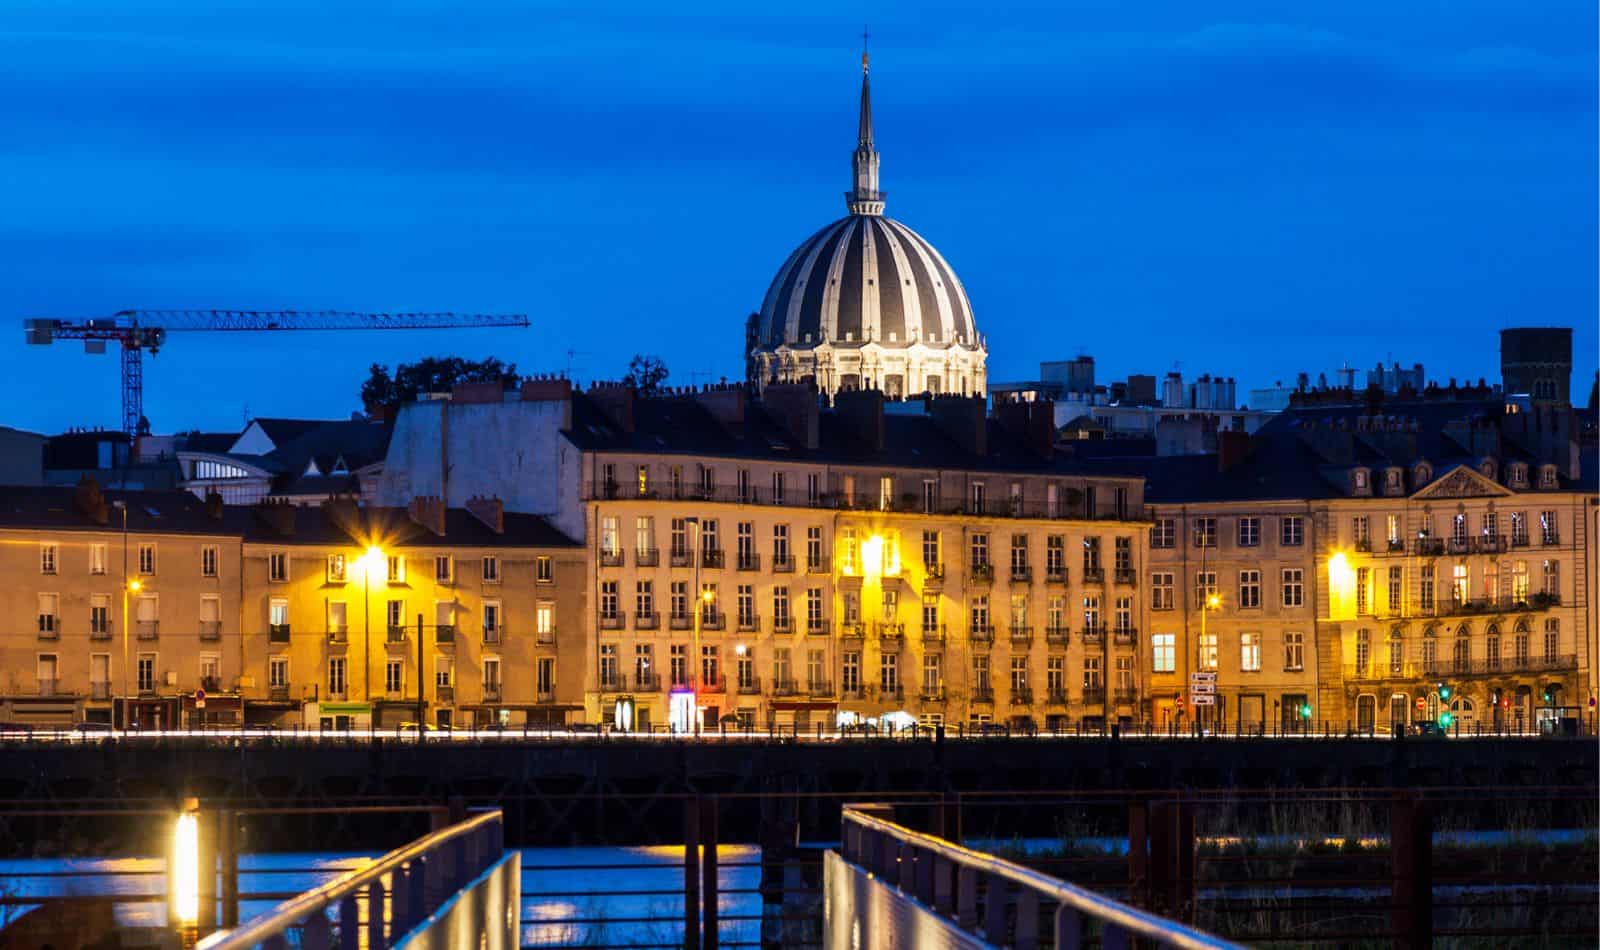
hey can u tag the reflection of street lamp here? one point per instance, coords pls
(183, 882)
(370, 562)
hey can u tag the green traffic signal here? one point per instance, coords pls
(1444, 691)
(1445, 719)
(1305, 711)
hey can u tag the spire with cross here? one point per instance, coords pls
(865, 198)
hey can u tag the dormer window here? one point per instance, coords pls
(1519, 475)
(1359, 479)
(1422, 474)
(1547, 476)
(1392, 481)
(1486, 468)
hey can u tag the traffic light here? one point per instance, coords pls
(1445, 719)
(1305, 711)
(1444, 692)
(1548, 696)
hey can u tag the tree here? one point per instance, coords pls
(646, 373)
(433, 374)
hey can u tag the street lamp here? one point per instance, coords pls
(701, 598)
(370, 562)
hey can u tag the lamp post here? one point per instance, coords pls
(1208, 602)
(698, 555)
(123, 507)
(369, 563)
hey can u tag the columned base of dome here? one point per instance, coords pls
(898, 371)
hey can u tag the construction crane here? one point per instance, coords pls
(139, 331)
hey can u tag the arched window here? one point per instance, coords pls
(1462, 652)
(1430, 652)
(1397, 652)
(1491, 648)
(1519, 645)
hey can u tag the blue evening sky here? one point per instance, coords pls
(1245, 188)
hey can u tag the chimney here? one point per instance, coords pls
(861, 411)
(616, 401)
(488, 510)
(277, 516)
(428, 511)
(795, 407)
(962, 419)
(344, 513)
(89, 500)
(1032, 423)
(214, 507)
(490, 390)
(724, 402)
(1233, 447)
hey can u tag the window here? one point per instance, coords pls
(211, 670)
(814, 622)
(336, 676)
(610, 537)
(885, 492)
(641, 474)
(49, 614)
(1294, 652)
(1519, 529)
(1163, 652)
(1205, 588)
(780, 547)
(1519, 582)
(1397, 652)
(1162, 592)
(394, 677)
(930, 613)
(1249, 532)
(1163, 533)
(99, 614)
(1125, 673)
(850, 680)
(147, 559)
(278, 672)
(813, 488)
(491, 674)
(980, 550)
(1093, 674)
(1426, 590)
(1250, 589)
(930, 496)
(778, 486)
(1363, 650)
(1091, 613)
(1394, 531)
(1123, 624)
(1208, 651)
(980, 613)
(491, 620)
(491, 569)
(708, 480)
(545, 677)
(742, 484)
(745, 598)
(1294, 587)
(930, 550)
(47, 558)
(1056, 615)
(977, 496)
(396, 569)
(1019, 555)
(1395, 602)
(1055, 678)
(1019, 674)
(889, 673)
(610, 673)
(814, 560)
(443, 568)
(1430, 653)
(145, 673)
(543, 572)
(609, 600)
(1552, 640)
(1460, 591)
(544, 621)
(847, 552)
(932, 674)
(1547, 528)
(1250, 652)
(1055, 557)
(1292, 531)
(780, 608)
(1123, 558)
(278, 567)
(1205, 532)
(1458, 530)
(644, 599)
(980, 673)
(1359, 532)
(1091, 556)
(1363, 591)
(678, 664)
(336, 568)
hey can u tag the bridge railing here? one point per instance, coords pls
(989, 898)
(379, 905)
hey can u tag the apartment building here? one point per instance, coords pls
(786, 565)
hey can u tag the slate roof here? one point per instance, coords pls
(149, 512)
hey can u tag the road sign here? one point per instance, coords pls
(1203, 699)
(1421, 703)
(199, 699)
(1205, 688)
(1203, 676)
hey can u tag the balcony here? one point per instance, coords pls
(1428, 547)
(748, 561)
(1056, 635)
(1481, 666)
(933, 633)
(611, 558)
(852, 631)
(819, 688)
(491, 692)
(278, 694)
(545, 696)
(1550, 539)
(545, 637)
(444, 694)
(983, 694)
(99, 690)
(1021, 574)
(931, 694)
(819, 565)
(336, 634)
(782, 564)
(396, 633)
(980, 633)
(49, 631)
(1125, 635)
(933, 575)
(101, 632)
(1094, 575)
(49, 687)
(1094, 695)
(852, 692)
(714, 620)
(817, 627)
(890, 634)
(646, 557)
(679, 558)
(1126, 577)
(493, 635)
(646, 620)
(444, 633)
(1022, 696)
(1056, 697)
(981, 573)
(1364, 545)
(646, 683)
(891, 693)
(210, 631)
(1021, 634)
(1057, 575)
(1094, 634)
(713, 559)
(748, 686)
(785, 687)
(783, 625)
(611, 621)
(712, 684)
(680, 622)
(1396, 546)
(1519, 540)
(276, 633)
(749, 623)
(151, 630)
(1125, 697)
(613, 683)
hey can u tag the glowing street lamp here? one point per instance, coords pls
(183, 875)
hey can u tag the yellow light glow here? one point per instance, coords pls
(707, 596)
(872, 555)
(1213, 601)
(135, 586)
(1341, 586)
(741, 650)
(185, 877)
(372, 561)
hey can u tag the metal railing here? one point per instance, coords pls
(995, 899)
(400, 891)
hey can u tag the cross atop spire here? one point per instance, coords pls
(864, 197)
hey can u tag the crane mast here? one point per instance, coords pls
(137, 331)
